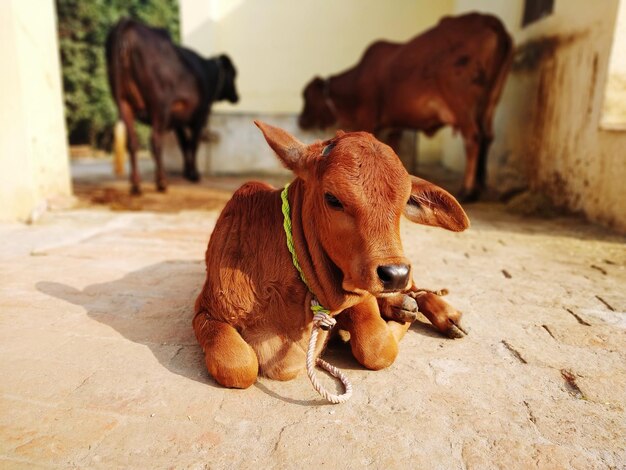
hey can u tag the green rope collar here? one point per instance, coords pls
(315, 305)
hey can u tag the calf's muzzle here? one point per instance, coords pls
(393, 276)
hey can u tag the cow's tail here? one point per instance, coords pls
(502, 63)
(115, 63)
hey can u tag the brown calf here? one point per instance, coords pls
(346, 202)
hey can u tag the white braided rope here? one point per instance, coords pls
(325, 321)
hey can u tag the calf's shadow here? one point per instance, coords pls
(152, 306)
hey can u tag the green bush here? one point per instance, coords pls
(90, 112)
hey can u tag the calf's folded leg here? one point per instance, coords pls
(229, 359)
(374, 341)
(440, 313)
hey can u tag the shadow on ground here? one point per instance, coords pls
(152, 306)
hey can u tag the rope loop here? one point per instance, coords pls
(322, 320)
(321, 316)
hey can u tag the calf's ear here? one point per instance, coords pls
(291, 152)
(431, 205)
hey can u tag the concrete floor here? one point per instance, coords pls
(100, 367)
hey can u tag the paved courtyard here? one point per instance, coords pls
(99, 366)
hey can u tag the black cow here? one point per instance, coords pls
(166, 86)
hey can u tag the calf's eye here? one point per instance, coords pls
(333, 202)
(326, 150)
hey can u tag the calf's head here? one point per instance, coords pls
(355, 191)
(316, 113)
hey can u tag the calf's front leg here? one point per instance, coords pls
(404, 307)
(229, 359)
(374, 341)
(440, 313)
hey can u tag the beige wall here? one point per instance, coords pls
(277, 47)
(548, 121)
(34, 164)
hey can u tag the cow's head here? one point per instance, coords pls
(229, 73)
(316, 113)
(355, 191)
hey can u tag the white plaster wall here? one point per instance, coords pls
(233, 145)
(548, 133)
(279, 45)
(34, 165)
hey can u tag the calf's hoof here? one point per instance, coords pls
(443, 316)
(401, 308)
(406, 311)
(135, 190)
(161, 187)
(456, 331)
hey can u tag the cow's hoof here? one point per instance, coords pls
(135, 190)
(192, 176)
(406, 311)
(161, 187)
(456, 331)
(468, 195)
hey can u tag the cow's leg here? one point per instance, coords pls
(485, 142)
(374, 341)
(471, 138)
(407, 156)
(191, 168)
(128, 117)
(185, 147)
(481, 169)
(156, 143)
(440, 313)
(393, 139)
(229, 359)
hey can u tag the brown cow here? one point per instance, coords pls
(346, 202)
(452, 74)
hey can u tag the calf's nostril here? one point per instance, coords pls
(393, 276)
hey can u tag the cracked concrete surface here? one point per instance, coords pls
(100, 368)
